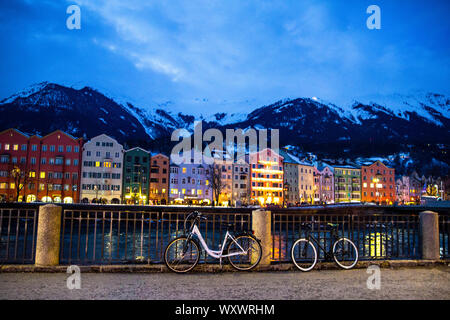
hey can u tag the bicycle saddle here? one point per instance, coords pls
(333, 225)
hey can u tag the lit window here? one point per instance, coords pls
(107, 164)
(97, 163)
(193, 191)
(7, 146)
(183, 191)
(184, 170)
(365, 185)
(15, 147)
(199, 192)
(32, 174)
(42, 175)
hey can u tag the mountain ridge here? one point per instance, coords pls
(396, 124)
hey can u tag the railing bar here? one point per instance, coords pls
(126, 235)
(119, 219)
(63, 233)
(25, 236)
(103, 236)
(86, 249)
(110, 235)
(79, 236)
(133, 252)
(157, 235)
(16, 242)
(95, 236)
(149, 235)
(142, 234)
(9, 230)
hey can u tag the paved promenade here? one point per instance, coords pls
(402, 283)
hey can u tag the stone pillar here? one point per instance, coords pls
(429, 233)
(262, 225)
(48, 235)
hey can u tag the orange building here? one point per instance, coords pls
(159, 179)
(266, 180)
(378, 183)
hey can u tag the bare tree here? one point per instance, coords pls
(20, 175)
(215, 178)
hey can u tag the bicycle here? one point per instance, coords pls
(182, 254)
(343, 251)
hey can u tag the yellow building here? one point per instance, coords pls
(266, 168)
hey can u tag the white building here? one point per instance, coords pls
(101, 170)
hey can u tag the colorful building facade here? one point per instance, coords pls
(35, 168)
(266, 168)
(324, 185)
(101, 170)
(189, 184)
(136, 167)
(159, 180)
(347, 184)
(378, 183)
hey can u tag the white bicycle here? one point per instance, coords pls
(182, 254)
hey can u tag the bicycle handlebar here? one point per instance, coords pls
(196, 215)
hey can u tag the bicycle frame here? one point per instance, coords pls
(218, 254)
(328, 253)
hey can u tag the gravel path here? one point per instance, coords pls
(403, 283)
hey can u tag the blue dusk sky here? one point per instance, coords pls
(216, 56)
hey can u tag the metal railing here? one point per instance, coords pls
(108, 236)
(18, 230)
(377, 236)
(444, 236)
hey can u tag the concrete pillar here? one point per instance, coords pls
(262, 225)
(429, 233)
(48, 235)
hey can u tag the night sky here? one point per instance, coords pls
(212, 56)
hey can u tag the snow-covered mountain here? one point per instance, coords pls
(365, 127)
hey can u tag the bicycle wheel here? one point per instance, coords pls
(181, 255)
(245, 252)
(304, 254)
(345, 253)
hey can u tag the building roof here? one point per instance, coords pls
(137, 148)
(289, 158)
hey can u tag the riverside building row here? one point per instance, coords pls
(61, 168)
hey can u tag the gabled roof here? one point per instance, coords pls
(137, 148)
(60, 131)
(18, 131)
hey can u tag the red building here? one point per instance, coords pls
(378, 183)
(34, 168)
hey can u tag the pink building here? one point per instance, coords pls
(323, 184)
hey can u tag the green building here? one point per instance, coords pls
(136, 168)
(347, 184)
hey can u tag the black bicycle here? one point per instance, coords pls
(343, 251)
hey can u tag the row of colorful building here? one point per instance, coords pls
(61, 168)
